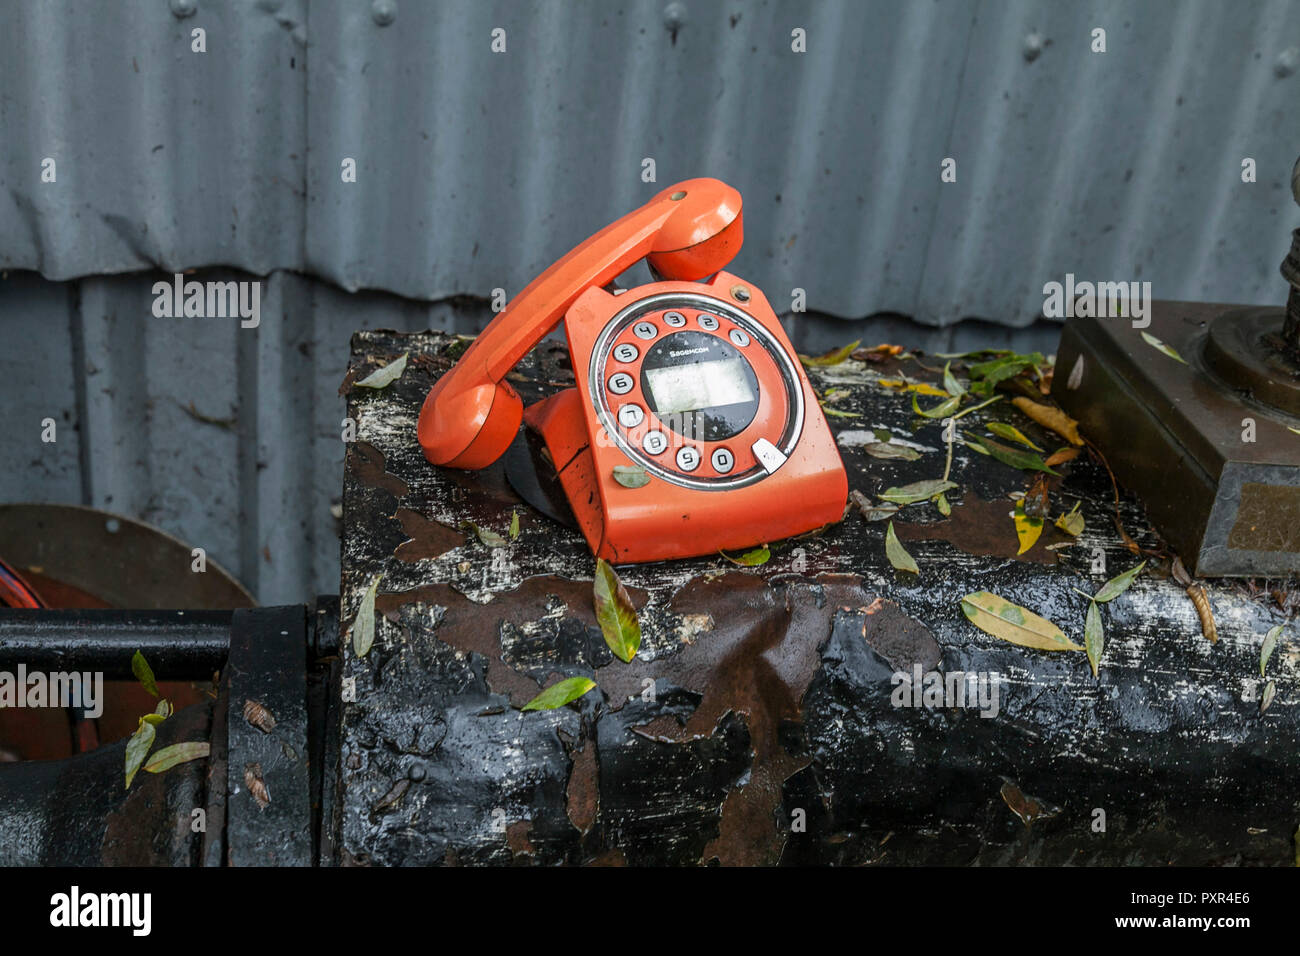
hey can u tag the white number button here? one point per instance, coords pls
(723, 460)
(654, 442)
(738, 337)
(708, 322)
(620, 383)
(645, 330)
(630, 416)
(626, 352)
(688, 459)
(674, 319)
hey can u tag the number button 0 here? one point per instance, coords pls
(708, 322)
(626, 352)
(645, 330)
(630, 416)
(674, 320)
(723, 460)
(688, 458)
(654, 442)
(620, 383)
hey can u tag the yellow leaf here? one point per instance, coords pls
(997, 616)
(921, 388)
(1050, 417)
(1071, 523)
(1003, 430)
(1027, 529)
(833, 357)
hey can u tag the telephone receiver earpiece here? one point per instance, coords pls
(687, 232)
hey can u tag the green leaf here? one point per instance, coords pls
(1117, 585)
(559, 694)
(883, 434)
(962, 355)
(897, 554)
(615, 613)
(144, 673)
(631, 476)
(973, 443)
(945, 509)
(891, 452)
(950, 383)
(1025, 460)
(1270, 642)
(1011, 433)
(485, 535)
(137, 748)
(385, 376)
(942, 410)
(154, 719)
(514, 524)
(838, 413)
(164, 708)
(917, 491)
(169, 757)
(1094, 638)
(834, 357)
(363, 625)
(999, 369)
(1269, 692)
(750, 559)
(1155, 343)
(997, 616)
(1028, 529)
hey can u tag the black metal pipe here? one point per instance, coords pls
(179, 645)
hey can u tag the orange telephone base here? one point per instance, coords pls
(662, 519)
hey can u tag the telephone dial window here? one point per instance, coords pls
(689, 388)
(700, 386)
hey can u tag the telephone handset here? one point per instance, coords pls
(695, 382)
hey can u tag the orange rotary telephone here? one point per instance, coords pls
(692, 426)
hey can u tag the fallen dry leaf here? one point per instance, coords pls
(1026, 807)
(876, 352)
(1206, 613)
(1050, 417)
(1061, 456)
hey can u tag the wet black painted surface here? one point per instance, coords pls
(77, 811)
(756, 723)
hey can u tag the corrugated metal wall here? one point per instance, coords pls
(475, 169)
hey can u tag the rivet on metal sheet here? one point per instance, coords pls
(383, 12)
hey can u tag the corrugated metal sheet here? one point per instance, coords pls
(476, 168)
